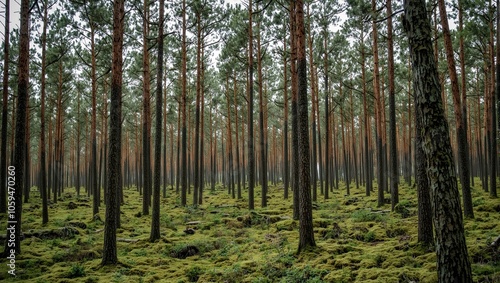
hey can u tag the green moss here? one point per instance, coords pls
(372, 245)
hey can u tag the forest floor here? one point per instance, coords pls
(356, 241)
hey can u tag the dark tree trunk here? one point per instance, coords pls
(155, 223)
(460, 116)
(250, 142)
(184, 173)
(16, 173)
(196, 180)
(263, 138)
(452, 258)
(295, 135)
(146, 118)
(327, 122)
(5, 92)
(286, 165)
(115, 121)
(425, 231)
(306, 234)
(393, 154)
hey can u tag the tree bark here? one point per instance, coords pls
(295, 136)
(155, 224)
(15, 192)
(5, 93)
(393, 154)
(184, 161)
(452, 258)
(250, 142)
(460, 115)
(114, 161)
(306, 234)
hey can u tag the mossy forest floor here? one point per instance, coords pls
(356, 241)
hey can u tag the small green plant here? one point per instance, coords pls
(305, 275)
(193, 273)
(369, 236)
(367, 216)
(141, 252)
(76, 270)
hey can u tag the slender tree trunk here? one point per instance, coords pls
(27, 157)
(93, 165)
(425, 231)
(460, 115)
(494, 129)
(184, 172)
(368, 181)
(5, 92)
(146, 114)
(13, 248)
(155, 224)
(295, 135)
(250, 143)
(43, 167)
(286, 165)
(378, 112)
(393, 153)
(263, 140)
(327, 120)
(306, 234)
(238, 169)
(114, 166)
(196, 179)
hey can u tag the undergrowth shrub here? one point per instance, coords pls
(193, 273)
(305, 275)
(363, 215)
(76, 270)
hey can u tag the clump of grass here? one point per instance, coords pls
(193, 273)
(369, 236)
(76, 270)
(305, 275)
(364, 215)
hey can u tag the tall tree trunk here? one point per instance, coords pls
(114, 161)
(494, 148)
(314, 169)
(452, 258)
(393, 153)
(295, 135)
(199, 41)
(155, 223)
(13, 248)
(27, 157)
(327, 119)
(460, 115)
(368, 181)
(263, 139)
(202, 130)
(286, 165)
(306, 234)
(146, 116)
(425, 231)
(43, 168)
(93, 165)
(184, 172)
(238, 169)
(250, 143)
(5, 92)
(378, 112)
